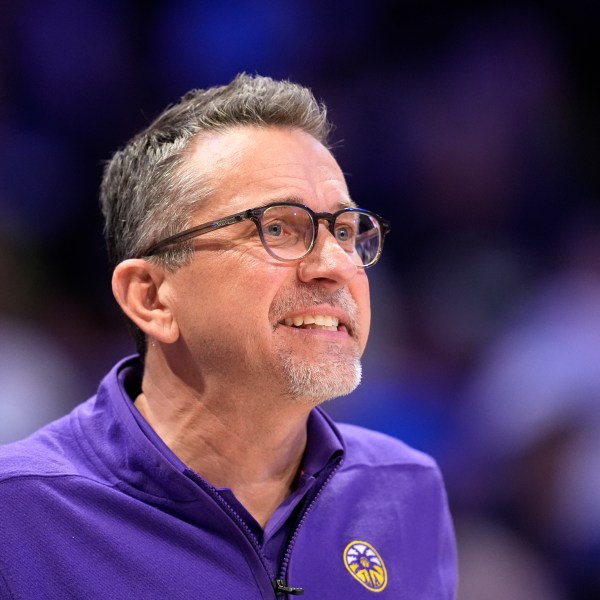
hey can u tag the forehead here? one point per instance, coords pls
(249, 166)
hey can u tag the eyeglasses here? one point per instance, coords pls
(288, 231)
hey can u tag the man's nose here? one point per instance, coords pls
(328, 261)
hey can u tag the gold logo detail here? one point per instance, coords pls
(365, 565)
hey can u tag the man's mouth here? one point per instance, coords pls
(325, 322)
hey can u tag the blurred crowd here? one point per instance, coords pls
(473, 127)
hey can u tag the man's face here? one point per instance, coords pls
(244, 316)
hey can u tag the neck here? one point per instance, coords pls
(249, 443)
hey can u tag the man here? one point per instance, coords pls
(202, 468)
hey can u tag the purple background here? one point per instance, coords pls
(474, 127)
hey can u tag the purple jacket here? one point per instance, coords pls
(91, 508)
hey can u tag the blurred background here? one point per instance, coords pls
(474, 127)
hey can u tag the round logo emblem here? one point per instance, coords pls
(365, 565)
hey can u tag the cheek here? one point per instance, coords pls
(245, 296)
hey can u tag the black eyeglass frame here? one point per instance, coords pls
(255, 214)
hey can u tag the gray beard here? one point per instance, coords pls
(320, 380)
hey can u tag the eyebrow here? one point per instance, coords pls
(343, 203)
(347, 203)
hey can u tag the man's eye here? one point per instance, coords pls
(274, 229)
(343, 234)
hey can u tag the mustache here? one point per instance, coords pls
(303, 296)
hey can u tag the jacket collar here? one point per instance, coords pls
(125, 448)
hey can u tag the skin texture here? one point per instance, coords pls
(227, 385)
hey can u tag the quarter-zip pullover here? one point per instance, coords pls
(95, 505)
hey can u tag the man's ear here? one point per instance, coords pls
(136, 284)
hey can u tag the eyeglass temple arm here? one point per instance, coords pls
(187, 235)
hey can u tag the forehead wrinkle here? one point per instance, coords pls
(269, 176)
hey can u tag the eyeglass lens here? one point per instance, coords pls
(288, 231)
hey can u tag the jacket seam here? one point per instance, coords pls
(117, 486)
(4, 586)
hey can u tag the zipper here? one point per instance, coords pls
(280, 584)
(212, 491)
(281, 588)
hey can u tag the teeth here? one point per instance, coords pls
(324, 321)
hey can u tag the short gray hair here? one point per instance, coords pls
(146, 192)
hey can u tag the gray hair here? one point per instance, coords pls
(148, 194)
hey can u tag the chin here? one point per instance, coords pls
(317, 383)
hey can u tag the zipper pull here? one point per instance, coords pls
(282, 588)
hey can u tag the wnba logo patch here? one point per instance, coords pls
(364, 564)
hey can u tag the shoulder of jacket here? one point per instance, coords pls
(47, 452)
(373, 448)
